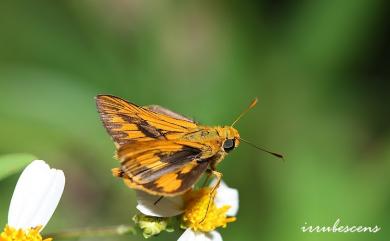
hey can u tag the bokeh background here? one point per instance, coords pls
(319, 68)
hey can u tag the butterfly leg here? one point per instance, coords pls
(158, 200)
(218, 175)
(212, 193)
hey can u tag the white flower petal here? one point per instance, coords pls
(166, 207)
(226, 196)
(36, 195)
(214, 236)
(190, 235)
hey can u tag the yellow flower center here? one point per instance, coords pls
(201, 213)
(31, 234)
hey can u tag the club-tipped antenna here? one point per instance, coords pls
(253, 103)
(263, 149)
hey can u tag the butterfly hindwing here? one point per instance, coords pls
(168, 112)
(179, 181)
(149, 160)
(163, 167)
(172, 183)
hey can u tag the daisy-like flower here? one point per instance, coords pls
(199, 216)
(33, 202)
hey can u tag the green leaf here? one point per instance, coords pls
(12, 163)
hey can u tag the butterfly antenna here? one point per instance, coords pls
(253, 103)
(263, 149)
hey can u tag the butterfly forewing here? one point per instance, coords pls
(127, 122)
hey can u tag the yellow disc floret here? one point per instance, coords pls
(201, 213)
(31, 234)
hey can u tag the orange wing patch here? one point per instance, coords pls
(173, 181)
(169, 182)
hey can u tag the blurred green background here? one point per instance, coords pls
(319, 68)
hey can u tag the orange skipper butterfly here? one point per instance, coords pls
(162, 152)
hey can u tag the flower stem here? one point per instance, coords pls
(93, 232)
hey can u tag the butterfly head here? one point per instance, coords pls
(231, 138)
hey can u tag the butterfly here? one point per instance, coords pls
(162, 152)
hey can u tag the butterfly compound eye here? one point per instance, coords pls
(228, 145)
